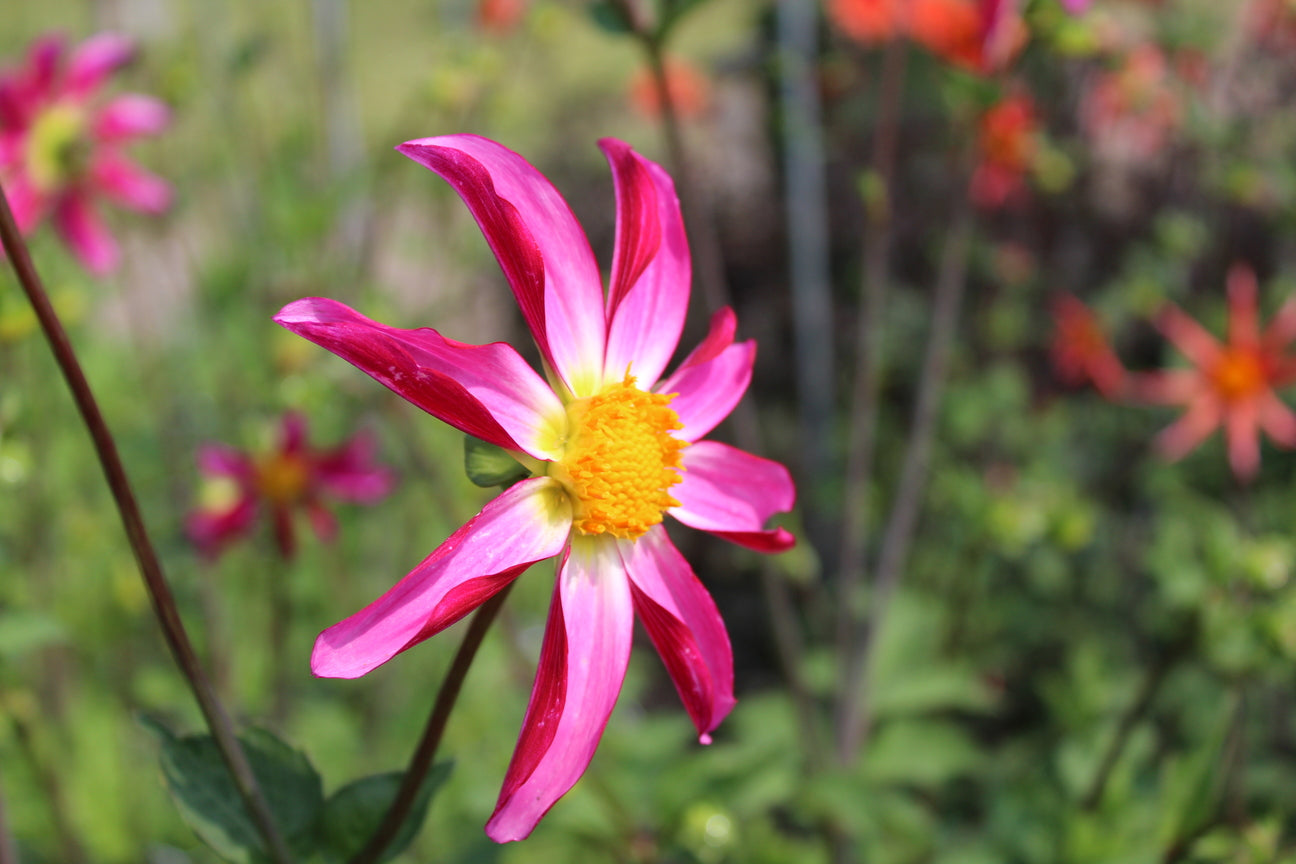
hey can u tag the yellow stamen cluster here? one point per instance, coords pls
(621, 460)
(57, 147)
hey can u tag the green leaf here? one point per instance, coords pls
(608, 18)
(354, 812)
(202, 789)
(23, 631)
(488, 465)
(924, 753)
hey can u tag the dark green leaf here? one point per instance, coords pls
(354, 812)
(208, 800)
(608, 17)
(488, 465)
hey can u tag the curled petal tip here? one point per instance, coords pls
(704, 738)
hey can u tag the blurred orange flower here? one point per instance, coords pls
(1231, 384)
(500, 16)
(1081, 353)
(689, 87)
(977, 35)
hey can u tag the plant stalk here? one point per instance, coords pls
(163, 601)
(421, 762)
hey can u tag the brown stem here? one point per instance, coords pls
(8, 846)
(903, 520)
(864, 396)
(421, 762)
(164, 605)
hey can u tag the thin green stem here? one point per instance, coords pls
(163, 601)
(421, 762)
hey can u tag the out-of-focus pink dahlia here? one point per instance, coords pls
(62, 143)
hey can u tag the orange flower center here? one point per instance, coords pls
(621, 460)
(282, 478)
(1239, 373)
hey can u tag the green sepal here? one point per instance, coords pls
(488, 465)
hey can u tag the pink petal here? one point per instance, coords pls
(582, 664)
(350, 473)
(1182, 437)
(285, 533)
(323, 523)
(129, 185)
(1075, 7)
(1189, 337)
(43, 61)
(1277, 420)
(709, 389)
(485, 390)
(292, 433)
(217, 460)
(95, 59)
(1244, 326)
(211, 531)
(684, 625)
(539, 244)
(27, 202)
(130, 116)
(81, 228)
(651, 269)
(525, 524)
(1166, 386)
(732, 493)
(1242, 434)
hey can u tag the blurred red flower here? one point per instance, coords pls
(1006, 145)
(977, 35)
(276, 484)
(61, 143)
(1081, 353)
(1232, 383)
(500, 16)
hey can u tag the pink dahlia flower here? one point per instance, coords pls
(61, 144)
(611, 445)
(1231, 384)
(291, 477)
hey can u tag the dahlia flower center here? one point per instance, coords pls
(57, 147)
(621, 460)
(283, 478)
(1238, 373)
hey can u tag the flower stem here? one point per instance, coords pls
(164, 605)
(421, 762)
(8, 846)
(903, 519)
(864, 396)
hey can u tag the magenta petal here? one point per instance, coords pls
(129, 185)
(582, 665)
(323, 523)
(684, 625)
(26, 201)
(217, 460)
(349, 472)
(709, 390)
(95, 59)
(211, 531)
(651, 269)
(525, 524)
(485, 390)
(539, 244)
(1075, 7)
(130, 116)
(732, 493)
(83, 230)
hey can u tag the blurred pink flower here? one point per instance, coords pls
(1130, 112)
(275, 485)
(1080, 350)
(61, 143)
(1232, 383)
(612, 448)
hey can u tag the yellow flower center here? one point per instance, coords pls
(282, 478)
(57, 148)
(1238, 374)
(621, 460)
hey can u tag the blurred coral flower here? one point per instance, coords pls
(61, 144)
(977, 35)
(612, 447)
(688, 86)
(1081, 352)
(291, 477)
(1231, 384)
(1006, 144)
(866, 21)
(1129, 113)
(500, 17)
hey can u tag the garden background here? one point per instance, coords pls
(1012, 630)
